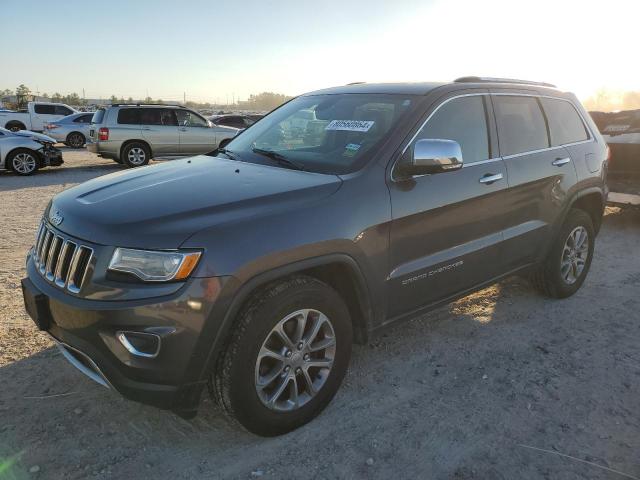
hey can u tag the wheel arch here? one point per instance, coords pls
(7, 164)
(592, 202)
(136, 140)
(11, 123)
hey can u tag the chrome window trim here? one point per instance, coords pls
(591, 138)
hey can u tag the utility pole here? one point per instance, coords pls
(184, 98)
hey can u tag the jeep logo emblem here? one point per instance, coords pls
(56, 218)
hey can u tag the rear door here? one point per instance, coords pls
(540, 175)
(196, 136)
(447, 227)
(160, 130)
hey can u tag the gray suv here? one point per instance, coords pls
(133, 134)
(253, 269)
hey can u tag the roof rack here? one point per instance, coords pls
(146, 104)
(501, 80)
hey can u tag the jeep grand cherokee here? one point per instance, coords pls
(253, 269)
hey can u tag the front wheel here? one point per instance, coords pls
(286, 358)
(23, 162)
(568, 261)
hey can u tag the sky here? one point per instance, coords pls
(220, 50)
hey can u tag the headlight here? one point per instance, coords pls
(154, 266)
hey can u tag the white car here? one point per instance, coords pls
(25, 152)
(35, 116)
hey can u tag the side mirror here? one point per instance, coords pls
(433, 156)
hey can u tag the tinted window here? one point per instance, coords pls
(565, 125)
(158, 116)
(464, 121)
(60, 110)
(128, 116)
(83, 119)
(187, 118)
(44, 109)
(236, 122)
(521, 125)
(98, 116)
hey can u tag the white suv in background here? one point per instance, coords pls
(133, 134)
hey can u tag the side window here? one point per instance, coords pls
(128, 116)
(83, 119)
(60, 110)
(565, 125)
(187, 118)
(463, 120)
(44, 109)
(521, 124)
(158, 116)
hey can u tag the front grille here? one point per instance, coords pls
(61, 261)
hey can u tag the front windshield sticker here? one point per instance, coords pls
(351, 149)
(350, 125)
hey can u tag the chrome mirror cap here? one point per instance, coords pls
(433, 156)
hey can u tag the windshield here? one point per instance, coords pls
(322, 133)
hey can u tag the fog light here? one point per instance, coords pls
(140, 344)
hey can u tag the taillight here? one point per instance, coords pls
(50, 126)
(608, 154)
(103, 134)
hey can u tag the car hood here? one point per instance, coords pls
(162, 205)
(35, 136)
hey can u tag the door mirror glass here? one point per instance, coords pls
(433, 156)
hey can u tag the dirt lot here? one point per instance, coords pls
(504, 384)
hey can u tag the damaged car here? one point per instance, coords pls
(25, 152)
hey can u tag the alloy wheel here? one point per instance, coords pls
(24, 163)
(295, 360)
(574, 255)
(136, 156)
(76, 140)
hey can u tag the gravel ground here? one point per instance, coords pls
(503, 384)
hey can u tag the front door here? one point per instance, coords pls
(196, 136)
(447, 228)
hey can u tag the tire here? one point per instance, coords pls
(135, 154)
(15, 126)
(75, 140)
(553, 278)
(234, 383)
(23, 161)
(117, 160)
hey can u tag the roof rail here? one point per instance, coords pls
(473, 79)
(146, 104)
(356, 83)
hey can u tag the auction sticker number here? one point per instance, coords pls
(350, 125)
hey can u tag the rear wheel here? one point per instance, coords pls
(286, 358)
(135, 154)
(15, 126)
(23, 161)
(76, 140)
(568, 261)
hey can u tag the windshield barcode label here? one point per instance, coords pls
(350, 125)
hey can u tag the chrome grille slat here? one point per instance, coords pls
(60, 260)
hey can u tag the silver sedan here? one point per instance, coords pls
(72, 130)
(24, 152)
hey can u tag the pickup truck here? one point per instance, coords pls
(35, 116)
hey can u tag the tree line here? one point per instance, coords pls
(258, 102)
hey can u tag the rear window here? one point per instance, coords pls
(521, 125)
(98, 116)
(129, 116)
(565, 125)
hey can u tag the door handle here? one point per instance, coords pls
(558, 162)
(183, 129)
(146, 128)
(488, 179)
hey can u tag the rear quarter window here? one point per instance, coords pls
(98, 116)
(521, 124)
(565, 125)
(129, 116)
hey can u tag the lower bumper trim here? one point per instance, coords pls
(83, 363)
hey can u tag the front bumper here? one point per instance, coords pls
(86, 331)
(52, 157)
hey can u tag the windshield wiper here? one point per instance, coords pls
(228, 153)
(279, 158)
